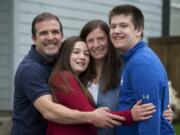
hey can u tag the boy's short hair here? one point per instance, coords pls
(125, 9)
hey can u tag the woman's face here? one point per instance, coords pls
(97, 44)
(79, 58)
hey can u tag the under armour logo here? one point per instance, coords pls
(145, 97)
(122, 80)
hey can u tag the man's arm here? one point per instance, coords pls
(61, 114)
(35, 85)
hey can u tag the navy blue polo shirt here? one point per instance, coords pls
(31, 82)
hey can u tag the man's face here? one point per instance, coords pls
(123, 34)
(48, 38)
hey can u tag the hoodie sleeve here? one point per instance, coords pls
(147, 85)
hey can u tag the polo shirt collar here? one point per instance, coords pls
(36, 56)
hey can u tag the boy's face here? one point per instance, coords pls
(123, 33)
(48, 38)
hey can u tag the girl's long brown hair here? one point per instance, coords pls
(63, 64)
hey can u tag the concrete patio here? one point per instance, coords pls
(5, 123)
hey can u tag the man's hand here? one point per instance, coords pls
(102, 117)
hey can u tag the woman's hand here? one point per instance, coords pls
(168, 114)
(142, 111)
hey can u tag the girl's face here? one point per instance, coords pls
(97, 44)
(79, 58)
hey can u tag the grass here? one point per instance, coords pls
(177, 128)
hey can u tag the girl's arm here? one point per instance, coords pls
(139, 112)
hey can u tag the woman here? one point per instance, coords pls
(73, 69)
(105, 86)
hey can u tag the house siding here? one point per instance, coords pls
(175, 20)
(5, 89)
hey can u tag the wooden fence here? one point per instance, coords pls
(168, 49)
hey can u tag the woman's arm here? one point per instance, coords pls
(168, 114)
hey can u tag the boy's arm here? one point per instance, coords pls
(147, 87)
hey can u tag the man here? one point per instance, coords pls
(143, 75)
(33, 103)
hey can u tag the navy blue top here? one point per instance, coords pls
(31, 82)
(144, 77)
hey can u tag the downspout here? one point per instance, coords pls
(166, 18)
